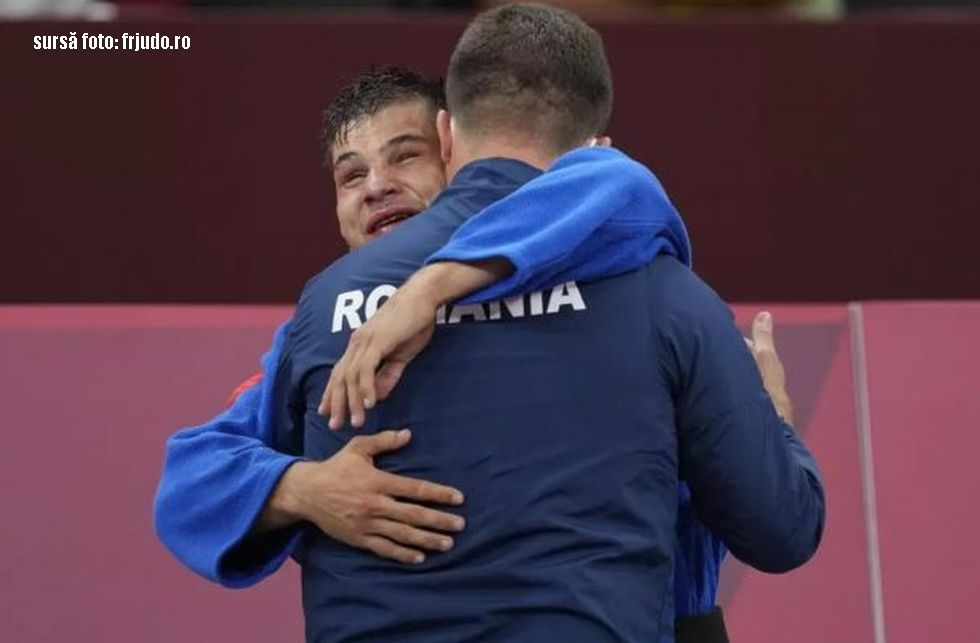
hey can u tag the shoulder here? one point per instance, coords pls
(680, 301)
(676, 286)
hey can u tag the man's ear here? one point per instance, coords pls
(444, 128)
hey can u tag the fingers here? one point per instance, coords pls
(399, 530)
(370, 363)
(355, 403)
(762, 336)
(418, 490)
(403, 534)
(399, 330)
(337, 397)
(360, 392)
(350, 500)
(388, 549)
(338, 405)
(393, 485)
(346, 379)
(372, 445)
(401, 538)
(324, 407)
(763, 347)
(333, 404)
(351, 387)
(422, 517)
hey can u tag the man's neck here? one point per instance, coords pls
(478, 150)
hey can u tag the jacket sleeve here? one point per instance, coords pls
(595, 213)
(754, 483)
(215, 482)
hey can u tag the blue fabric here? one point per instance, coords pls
(567, 416)
(217, 476)
(698, 556)
(597, 213)
(216, 479)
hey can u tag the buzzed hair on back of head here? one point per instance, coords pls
(533, 70)
(370, 92)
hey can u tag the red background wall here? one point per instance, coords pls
(89, 395)
(813, 162)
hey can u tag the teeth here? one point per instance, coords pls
(391, 220)
(387, 221)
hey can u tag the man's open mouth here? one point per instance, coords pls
(388, 219)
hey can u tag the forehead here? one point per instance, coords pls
(370, 134)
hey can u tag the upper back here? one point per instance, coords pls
(550, 411)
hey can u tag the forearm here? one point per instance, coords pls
(595, 213)
(757, 487)
(784, 406)
(284, 507)
(446, 281)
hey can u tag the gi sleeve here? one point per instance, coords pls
(215, 482)
(595, 213)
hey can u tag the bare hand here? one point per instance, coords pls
(763, 347)
(398, 332)
(377, 355)
(353, 502)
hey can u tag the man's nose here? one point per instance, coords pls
(378, 185)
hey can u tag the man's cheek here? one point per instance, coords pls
(346, 215)
(349, 230)
(435, 185)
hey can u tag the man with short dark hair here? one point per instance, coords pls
(497, 83)
(397, 108)
(219, 476)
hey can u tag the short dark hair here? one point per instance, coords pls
(531, 68)
(370, 92)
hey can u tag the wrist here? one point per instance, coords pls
(285, 505)
(432, 286)
(784, 407)
(446, 281)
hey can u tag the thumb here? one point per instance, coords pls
(372, 445)
(762, 336)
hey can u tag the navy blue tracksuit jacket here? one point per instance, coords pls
(568, 416)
